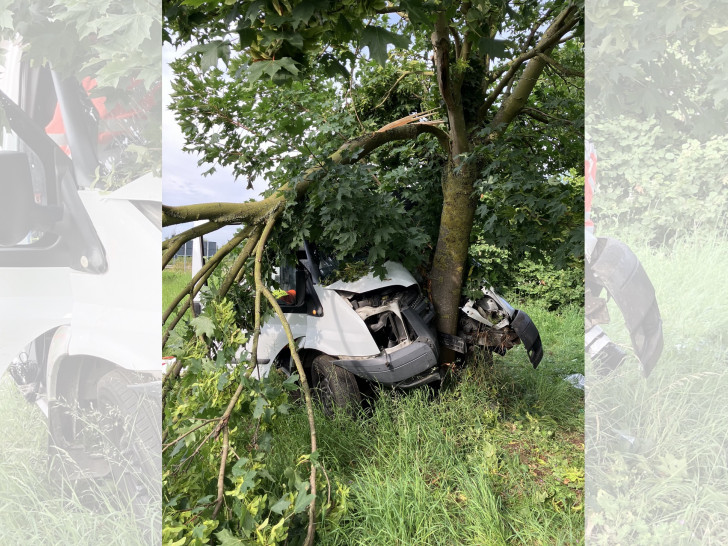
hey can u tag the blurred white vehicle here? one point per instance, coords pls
(79, 282)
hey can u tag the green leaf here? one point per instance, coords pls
(247, 36)
(259, 407)
(377, 39)
(416, 13)
(332, 67)
(281, 506)
(239, 467)
(303, 11)
(494, 48)
(302, 502)
(254, 10)
(211, 52)
(203, 326)
(248, 482)
(223, 381)
(271, 68)
(226, 538)
(290, 383)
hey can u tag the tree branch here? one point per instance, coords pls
(183, 436)
(449, 90)
(260, 288)
(173, 244)
(563, 23)
(223, 213)
(565, 70)
(221, 474)
(536, 114)
(535, 28)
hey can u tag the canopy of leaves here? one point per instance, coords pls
(272, 88)
(676, 52)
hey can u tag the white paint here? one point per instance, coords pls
(397, 275)
(114, 316)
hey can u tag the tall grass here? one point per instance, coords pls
(657, 463)
(495, 458)
(39, 505)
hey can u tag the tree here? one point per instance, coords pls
(487, 61)
(318, 98)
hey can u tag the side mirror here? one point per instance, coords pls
(17, 207)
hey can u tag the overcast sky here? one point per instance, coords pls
(182, 180)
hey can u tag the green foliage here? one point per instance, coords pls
(349, 216)
(530, 238)
(263, 505)
(117, 45)
(553, 287)
(348, 272)
(658, 186)
(391, 207)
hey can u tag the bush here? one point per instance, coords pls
(658, 186)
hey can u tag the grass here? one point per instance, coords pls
(496, 458)
(173, 282)
(37, 506)
(658, 470)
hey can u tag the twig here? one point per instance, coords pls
(173, 442)
(565, 70)
(301, 372)
(221, 474)
(328, 484)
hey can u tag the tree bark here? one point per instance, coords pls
(458, 210)
(451, 253)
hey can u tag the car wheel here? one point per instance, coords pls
(335, 387)
(131, 426)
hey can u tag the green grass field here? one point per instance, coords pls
(657, 465)
(496, 458)
(173, 281)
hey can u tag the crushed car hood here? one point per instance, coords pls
(397, 275)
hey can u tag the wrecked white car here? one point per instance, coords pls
(378, 330)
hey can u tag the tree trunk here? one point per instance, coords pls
(451, 253)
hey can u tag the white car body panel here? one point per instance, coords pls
(397, 275)
(113, 316)
(34, 301)
(340, 331)
(116, 315)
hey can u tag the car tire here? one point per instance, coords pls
(335, 387)
(131, 425)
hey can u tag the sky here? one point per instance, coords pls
(182, 180)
